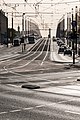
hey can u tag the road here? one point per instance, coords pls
(35, 58)
(58, 97)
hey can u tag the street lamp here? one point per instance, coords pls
(76, 10)
(12, 28)
(23, 44)
(68, 27)
(23, 24)
(73, 29)
(7, 29)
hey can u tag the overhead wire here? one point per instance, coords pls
(60, 2)
(41, 3)
(14, 8)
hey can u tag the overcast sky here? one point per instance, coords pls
(46, 13)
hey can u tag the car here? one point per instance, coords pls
(68, 52)
(54, 39)
(16, 42)
(60, 50)
(61, 44)
(65, 47)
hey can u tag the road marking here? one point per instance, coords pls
(3, 113)
(40, 106)
(16, 110)
(14, 85)
(73, 112)
(62, 102)
(70, 77)
(30, 108)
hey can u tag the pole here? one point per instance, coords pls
(67, 28)
(76, 29)
(49, 33)
(12, 28)
(73, 39)
(7, 29)
(23, 24)
(28, 28)
(63, 26)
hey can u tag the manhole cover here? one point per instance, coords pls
(31, 86)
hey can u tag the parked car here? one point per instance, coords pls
(61, 44)
(60, 50)
(65, 47)
(68, 52)
(54, 39)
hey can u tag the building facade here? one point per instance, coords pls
(3, 27)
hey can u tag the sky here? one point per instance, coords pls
(45, 13)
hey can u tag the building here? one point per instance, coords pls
(61, 29)
(31, 28)
(3, 27)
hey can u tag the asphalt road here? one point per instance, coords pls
(58, 97)
(45, 103)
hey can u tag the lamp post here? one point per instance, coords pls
(73, 29)
(68, 27)
(7, 29)
(76, 26)
(63, 26)
(12, 28)
(23, 24)
(23, 45)
(28, 28)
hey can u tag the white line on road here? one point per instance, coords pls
(30, 108)
(39, 106)
(3, 113)
(73, 112)
(70, 77)
(16, 110)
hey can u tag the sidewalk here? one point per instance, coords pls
(60, 58)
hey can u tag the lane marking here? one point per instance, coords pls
(30, 108)
(70, 77)
(12, 85)
(3, 113)
(39, 106)
(73, 112)
(62, 101)
(15, 110)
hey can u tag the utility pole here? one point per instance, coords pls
(73, 30)
(23, 24)
(76, 26)
(12, 28)
(49, 33)
(7, 29)
(23, 43)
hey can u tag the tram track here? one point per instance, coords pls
(32, 55)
